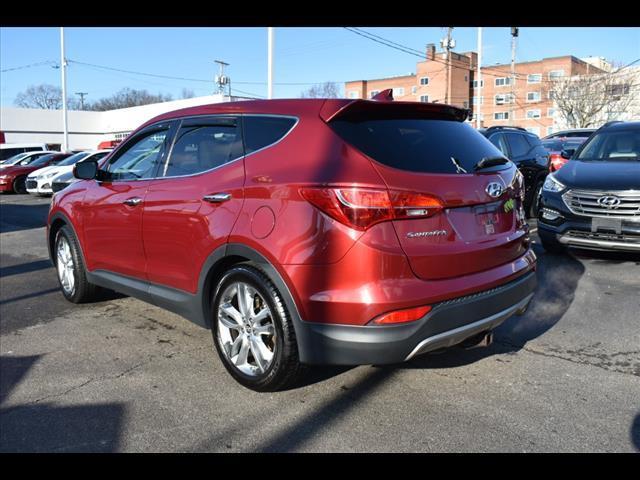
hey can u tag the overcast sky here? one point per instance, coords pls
(302, 55)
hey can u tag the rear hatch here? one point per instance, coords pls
(428, 149)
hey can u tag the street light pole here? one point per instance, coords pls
(479, 80)
(63, 68)
(82, 95)
(270, 63)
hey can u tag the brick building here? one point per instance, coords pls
(527, 103)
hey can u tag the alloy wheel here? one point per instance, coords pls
(65, 266)
(246, 329)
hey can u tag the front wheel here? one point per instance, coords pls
(253, 332)
(71, 270)
(19, 185)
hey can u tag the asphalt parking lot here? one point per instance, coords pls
(122, 375)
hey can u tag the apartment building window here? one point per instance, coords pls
(475, 100)
(551, 112)
(414, 89)
(533, 96)
(424, 81)
(398, 92)
(551, 94)
(354, 94)
(533, 113)
(465, 104)
(475, 117)
(556, 74)
(535, 130)
(618, 90)
(475, 83)
(374, 93)
(534, 78)
(502, 99)
(503, 81)
(501, 116)
(424, 98)
(466, 78)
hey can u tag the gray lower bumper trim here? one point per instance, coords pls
(457, 335)
(604, 244)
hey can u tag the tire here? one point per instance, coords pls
(75, 286)
(234, 331)
(535, 200)
(19, 185)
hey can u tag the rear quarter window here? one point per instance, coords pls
(262, 131)
(417, 145)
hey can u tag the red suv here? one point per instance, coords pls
(304, 232)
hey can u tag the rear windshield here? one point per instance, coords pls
(418, 145)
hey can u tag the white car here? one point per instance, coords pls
(39, 182)
(24, 158)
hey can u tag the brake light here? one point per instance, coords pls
(361, 208)
(402, 316)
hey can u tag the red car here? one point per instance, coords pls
(13, 178)
(555, 147)
(305, 231)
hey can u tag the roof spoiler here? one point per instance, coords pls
(333, 109)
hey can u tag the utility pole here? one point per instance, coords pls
(221, 79)
(63, 68)
(82, 95)
(478, 91)
(270, 63)
(514, 35)
(447, 45)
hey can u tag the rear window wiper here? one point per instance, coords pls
(490, 162)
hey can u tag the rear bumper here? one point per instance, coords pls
(447, 324)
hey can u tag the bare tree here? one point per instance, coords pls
(585, 101)
(44, 96)
(187, 93)
(128, 97)
(322, 90)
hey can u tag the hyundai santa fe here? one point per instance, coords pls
(304, 232)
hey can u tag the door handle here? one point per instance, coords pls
(217, 197)
(133, 201)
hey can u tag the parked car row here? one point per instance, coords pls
(35, 171)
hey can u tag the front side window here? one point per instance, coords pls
(203, 147)
(140, 159)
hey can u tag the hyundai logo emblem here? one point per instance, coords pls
(609, 201)
(494, 189)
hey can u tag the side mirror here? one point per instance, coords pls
(87, 170)
(567, 153)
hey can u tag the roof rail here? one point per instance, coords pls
(505, 127)
(612, 122)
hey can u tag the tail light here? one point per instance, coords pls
(401, 316)
(360, 208)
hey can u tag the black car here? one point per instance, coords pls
(594, 200)
(525, 150)
(576, 132)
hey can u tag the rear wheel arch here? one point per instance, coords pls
(232, 254)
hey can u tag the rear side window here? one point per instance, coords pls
(203, 144)
(417, 145)
(519, 145)
(262, 131)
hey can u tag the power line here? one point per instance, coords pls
(38, 64)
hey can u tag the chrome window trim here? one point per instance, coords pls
(242, 157)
